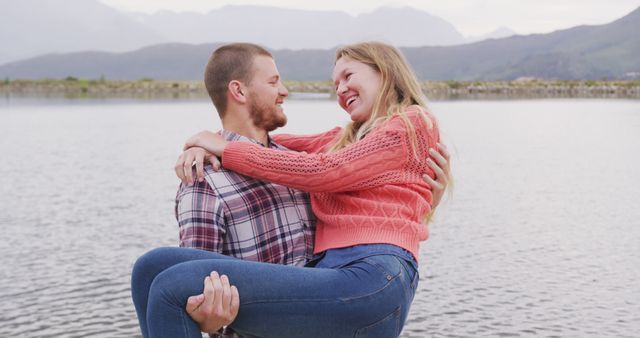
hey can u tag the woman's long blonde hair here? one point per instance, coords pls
(399, 89)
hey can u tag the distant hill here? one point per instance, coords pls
(281, 28)
(161, 62)
(36, 27)
(499, 33)
(584, 52)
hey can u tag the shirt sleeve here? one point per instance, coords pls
(381, 154)
(200, 217)
(308, 143)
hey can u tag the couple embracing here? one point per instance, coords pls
(298, 236)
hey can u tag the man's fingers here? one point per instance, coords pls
(226, 292)
(194, 302)
(217, 290)
(442, 162)
(208, 294)
(431, 182)
(235, 301)
(440, 175)
(444, 151)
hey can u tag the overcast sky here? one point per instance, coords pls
(470, 17)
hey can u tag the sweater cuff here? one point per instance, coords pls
(235, 154)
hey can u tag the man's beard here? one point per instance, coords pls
(266, 117)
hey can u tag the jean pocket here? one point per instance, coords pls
(387, 327)
(387, 265)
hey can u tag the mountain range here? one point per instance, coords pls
(583, 52)
(35, 27)
(281, 28)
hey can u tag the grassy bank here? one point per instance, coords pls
(149, 88)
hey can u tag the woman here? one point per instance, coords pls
(367, 193)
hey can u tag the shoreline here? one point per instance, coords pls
(72, 88)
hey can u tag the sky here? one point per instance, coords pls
(470, 17)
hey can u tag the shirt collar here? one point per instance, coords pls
(233, 136)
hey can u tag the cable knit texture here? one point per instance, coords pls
(372, 191)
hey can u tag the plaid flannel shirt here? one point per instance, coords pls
(246, 218)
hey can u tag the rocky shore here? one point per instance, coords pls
(152, 89)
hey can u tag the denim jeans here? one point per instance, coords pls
(368, 297)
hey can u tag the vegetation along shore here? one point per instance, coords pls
(148, 88)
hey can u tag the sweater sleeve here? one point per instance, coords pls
(382, 151)
(309, 143)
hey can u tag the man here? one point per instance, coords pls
(229, 213)
(240, 216)
(236, 215)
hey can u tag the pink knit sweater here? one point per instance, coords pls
(372, 191)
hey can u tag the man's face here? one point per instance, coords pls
(266, 94)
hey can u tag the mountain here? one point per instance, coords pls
(282, 28)
(173, 61)
(36, 27)
(405, 27)
(499, 33)
(29, 28)
(584, 52)
(276, 28)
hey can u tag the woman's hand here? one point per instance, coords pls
(212, 142)
(442, 170)
(194, 156)
(217, 306)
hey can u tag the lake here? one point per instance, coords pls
(540, 237)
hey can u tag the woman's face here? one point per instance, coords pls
(357, 87)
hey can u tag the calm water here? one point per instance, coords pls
(540, 238)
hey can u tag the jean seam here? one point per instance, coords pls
(416, 274)
(411, 281)
(416, 279)
(310, 300)
(302, 300)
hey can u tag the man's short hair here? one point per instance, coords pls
(227, 63)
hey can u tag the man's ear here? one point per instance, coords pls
(238, 91)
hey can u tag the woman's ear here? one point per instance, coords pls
(237, 91)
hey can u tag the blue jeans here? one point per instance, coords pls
(368, 297)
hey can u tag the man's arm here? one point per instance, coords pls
(200, 217)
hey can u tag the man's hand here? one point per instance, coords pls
(442, 170)
(194, 156)
(217, 306)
